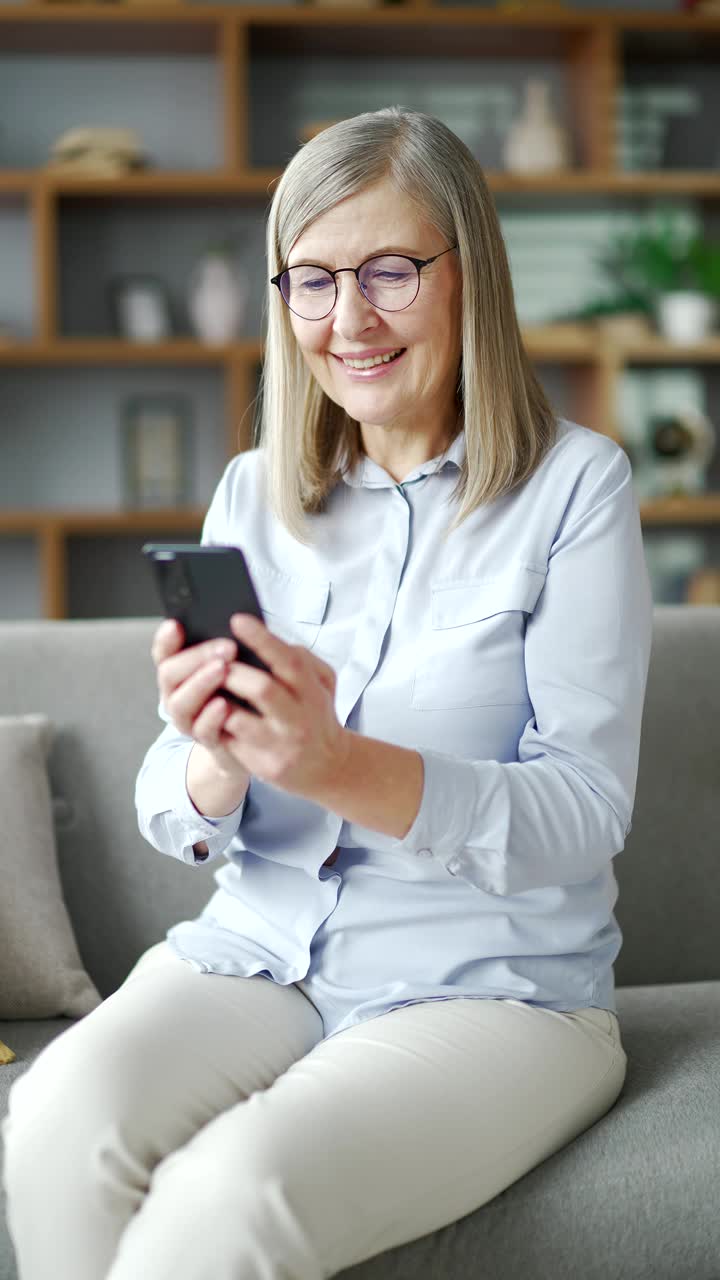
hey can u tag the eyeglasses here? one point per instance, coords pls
(390, 282)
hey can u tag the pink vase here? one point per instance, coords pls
(217, 299)
(537, 142)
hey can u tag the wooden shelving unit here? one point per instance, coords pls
(591, 46)
(52, 530)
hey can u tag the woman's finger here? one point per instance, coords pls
(286, 661)
(289, 663)
(326, 675)
(252, 730)
(208, 725)
(272, 699)
(168, 639)
(176, 668)
(185, 702)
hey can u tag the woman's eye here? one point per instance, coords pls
(390, 277)
(313, 286)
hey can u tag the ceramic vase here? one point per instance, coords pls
(217, 299)
(685, 316)
(536, 141)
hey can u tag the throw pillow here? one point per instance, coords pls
(41, 973)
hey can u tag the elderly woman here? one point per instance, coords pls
(400, 997)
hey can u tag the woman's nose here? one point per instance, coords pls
(352, 311)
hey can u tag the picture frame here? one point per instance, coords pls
(140, 308)
(156, 446)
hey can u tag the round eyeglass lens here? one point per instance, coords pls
(390, 283)
(308, 291)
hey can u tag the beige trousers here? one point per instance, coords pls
(199, 1127)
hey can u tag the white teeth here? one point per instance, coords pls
(368, 364)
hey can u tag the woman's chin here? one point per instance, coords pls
(361, 401)
(371, 405)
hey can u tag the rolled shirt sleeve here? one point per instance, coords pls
(563, 810)
(167, 817)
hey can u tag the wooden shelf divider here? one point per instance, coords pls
(62, 524)
(46, 268)
(234, 66)
(115, 351)
(53, 569)
(255, 184)
(55, 526)
(563, 343)
(241, 406)
(693, 509)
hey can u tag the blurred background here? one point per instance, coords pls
(138, 147)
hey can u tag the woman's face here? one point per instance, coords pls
(414, 393)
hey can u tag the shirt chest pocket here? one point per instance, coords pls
(473, 653)
(294, 606)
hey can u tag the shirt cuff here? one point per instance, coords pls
(191, 826)
(454, 791)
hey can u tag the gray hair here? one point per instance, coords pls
(509, 424)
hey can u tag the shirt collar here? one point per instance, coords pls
(371, 475)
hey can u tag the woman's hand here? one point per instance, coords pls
(296, 742)
(188, 682)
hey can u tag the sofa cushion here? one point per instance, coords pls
(41, 973)
(95, 680)
(28, 1040)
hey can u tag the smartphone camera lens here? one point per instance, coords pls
(179, 593)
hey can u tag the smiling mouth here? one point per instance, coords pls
(372, 361)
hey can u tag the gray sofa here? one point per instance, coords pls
(636, 1197)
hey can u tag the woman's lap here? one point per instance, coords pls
(345, 1147)
(396, 1127)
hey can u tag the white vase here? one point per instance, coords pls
(217, 299)
(536, 141)
(685, 316)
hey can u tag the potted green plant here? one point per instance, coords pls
(674, 275)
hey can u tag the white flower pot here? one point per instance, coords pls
(686, 316)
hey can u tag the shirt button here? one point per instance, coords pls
(424, 853)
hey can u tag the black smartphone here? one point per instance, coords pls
(202, 587)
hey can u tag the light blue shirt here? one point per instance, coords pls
(513, 657)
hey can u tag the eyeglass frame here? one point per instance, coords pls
(418, 263)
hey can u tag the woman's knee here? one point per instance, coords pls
(84, 1106)
(234, 1209)
(43, 1088)
(70, 1146)
(59, 1104)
